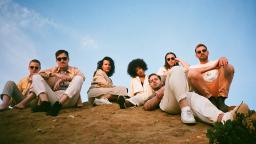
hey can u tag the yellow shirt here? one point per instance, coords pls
(71, 71)
(24, 85)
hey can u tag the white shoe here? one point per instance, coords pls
(187, 117)
(231, 115)
(101, 101)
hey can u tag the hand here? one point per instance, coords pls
(57, 85)
(223, 61)
(177, 59)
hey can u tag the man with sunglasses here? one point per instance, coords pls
(18, 94)
(211, 78)
(63, 91)
(176, 89)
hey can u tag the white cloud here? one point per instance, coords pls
(88, 42)
(17, 46)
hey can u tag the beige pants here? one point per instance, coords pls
(97, 92)
(73, 91)
(138, 99)
(176, 88)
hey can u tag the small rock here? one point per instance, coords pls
(71, 116)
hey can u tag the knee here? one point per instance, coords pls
(176, 70)
(36, 77)
(230, 69)
(10, 83)
(78, 79)
(193, 74)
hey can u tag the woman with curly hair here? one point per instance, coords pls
(102, 90)
(170, 60)
(139, 86)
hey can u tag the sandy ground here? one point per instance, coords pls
(101, 124)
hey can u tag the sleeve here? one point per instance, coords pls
(19, 85)
(46, 73)
(132, 88)
(99, 80)
(78, 72)
(161, 71)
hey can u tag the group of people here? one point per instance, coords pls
(197, 91)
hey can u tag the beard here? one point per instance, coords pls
(203, 58)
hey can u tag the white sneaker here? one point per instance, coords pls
(101, 101)
(231, 115)
(187, 117)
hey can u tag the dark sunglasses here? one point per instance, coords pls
(202, 51)
(62, 58)
(34, 67)
(173, 58)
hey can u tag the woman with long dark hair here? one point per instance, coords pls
(171, 60)
(102, 90)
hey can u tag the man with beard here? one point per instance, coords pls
(211, 78)
(174, 98)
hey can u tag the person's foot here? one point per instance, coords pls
(187, 116)
(43, 107)
(19, 106)
(121, 102)
(231, 115)
(214, 101)
(55, 109)
(221, 104)
(101, 101)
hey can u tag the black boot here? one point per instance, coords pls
(43, 107)
(55, 109)
(214, 101)
(221, 104)
(121, 102)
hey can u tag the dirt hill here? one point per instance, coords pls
(101, 124)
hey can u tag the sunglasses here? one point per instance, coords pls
(34, 67)
(173, 58)
(62, 58)
(202, 51)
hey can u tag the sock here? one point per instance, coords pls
(186, 108)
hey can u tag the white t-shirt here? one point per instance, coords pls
(162, 71)
(208, 76)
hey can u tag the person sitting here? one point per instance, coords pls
(171, 60)
(140, 89)
(20, 94)
(211, 78)
(64, 92)
(176, 88)
(102, 90)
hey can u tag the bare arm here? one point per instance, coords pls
(160, 92)
(208, 66)
(183, 63)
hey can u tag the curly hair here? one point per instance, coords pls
(166, 65)
(131, 70)
(112, 64)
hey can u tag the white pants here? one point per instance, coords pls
(138, 99)
(97, 92)
(73, 91)
(177, 88)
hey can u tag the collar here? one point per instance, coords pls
(57, 69)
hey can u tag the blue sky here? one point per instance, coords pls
(125, 30)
